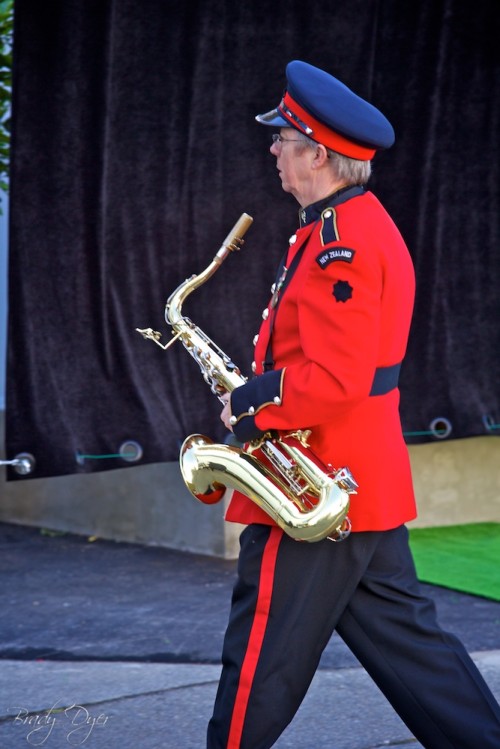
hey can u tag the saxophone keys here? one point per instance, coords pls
(342, 532)
(344, 478)
(154, 335)
(302, 436)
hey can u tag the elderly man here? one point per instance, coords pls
(327, 358)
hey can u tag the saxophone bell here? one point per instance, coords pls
(308, 503)
(198, 474)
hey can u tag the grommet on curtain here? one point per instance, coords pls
(130, 451)
(489, 423)
(22, 463)
(440, 427)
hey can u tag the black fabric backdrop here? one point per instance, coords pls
(135, 150)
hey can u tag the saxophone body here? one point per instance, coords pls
(308, 500)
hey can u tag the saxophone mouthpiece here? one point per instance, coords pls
(234, 239)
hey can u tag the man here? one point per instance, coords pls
(327, 358)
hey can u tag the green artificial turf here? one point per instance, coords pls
(461, 557)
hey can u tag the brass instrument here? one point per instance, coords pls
(308, 500)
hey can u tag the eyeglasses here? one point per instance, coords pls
(278, 138)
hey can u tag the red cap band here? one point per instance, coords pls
(304, 121)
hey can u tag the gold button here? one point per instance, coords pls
(255, 339)
(265, 314)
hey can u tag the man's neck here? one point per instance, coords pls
(313, 211)
(319, 192)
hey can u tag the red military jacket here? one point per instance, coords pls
(338, 335)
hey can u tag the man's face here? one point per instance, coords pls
(292, 162)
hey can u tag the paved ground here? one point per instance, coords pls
(116, 646)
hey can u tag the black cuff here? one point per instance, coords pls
(246, 430)
(247, 400)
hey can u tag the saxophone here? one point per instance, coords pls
(305, 498)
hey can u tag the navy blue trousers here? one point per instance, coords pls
(288, 599)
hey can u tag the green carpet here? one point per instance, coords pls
(461, 557)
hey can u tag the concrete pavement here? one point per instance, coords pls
(117, 646)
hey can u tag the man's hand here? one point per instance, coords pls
(226, 411)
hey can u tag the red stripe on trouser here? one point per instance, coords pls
(256, 638)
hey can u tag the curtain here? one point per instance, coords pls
(135, 150)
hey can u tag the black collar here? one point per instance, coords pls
(313, 212)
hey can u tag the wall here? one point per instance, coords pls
(456, 482)
(144, 504)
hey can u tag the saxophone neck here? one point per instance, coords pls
(173, 308)
(232, 242)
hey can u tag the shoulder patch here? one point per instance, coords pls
(329, 232)
(342, 291)
(334, 254)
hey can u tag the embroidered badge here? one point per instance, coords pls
(342, 291)
(334, 254)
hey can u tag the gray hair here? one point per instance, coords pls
(350, 171)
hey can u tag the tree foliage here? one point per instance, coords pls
(6, 31)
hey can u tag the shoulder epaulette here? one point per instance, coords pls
(329, 232)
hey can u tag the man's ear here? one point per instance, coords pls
(320, 156)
